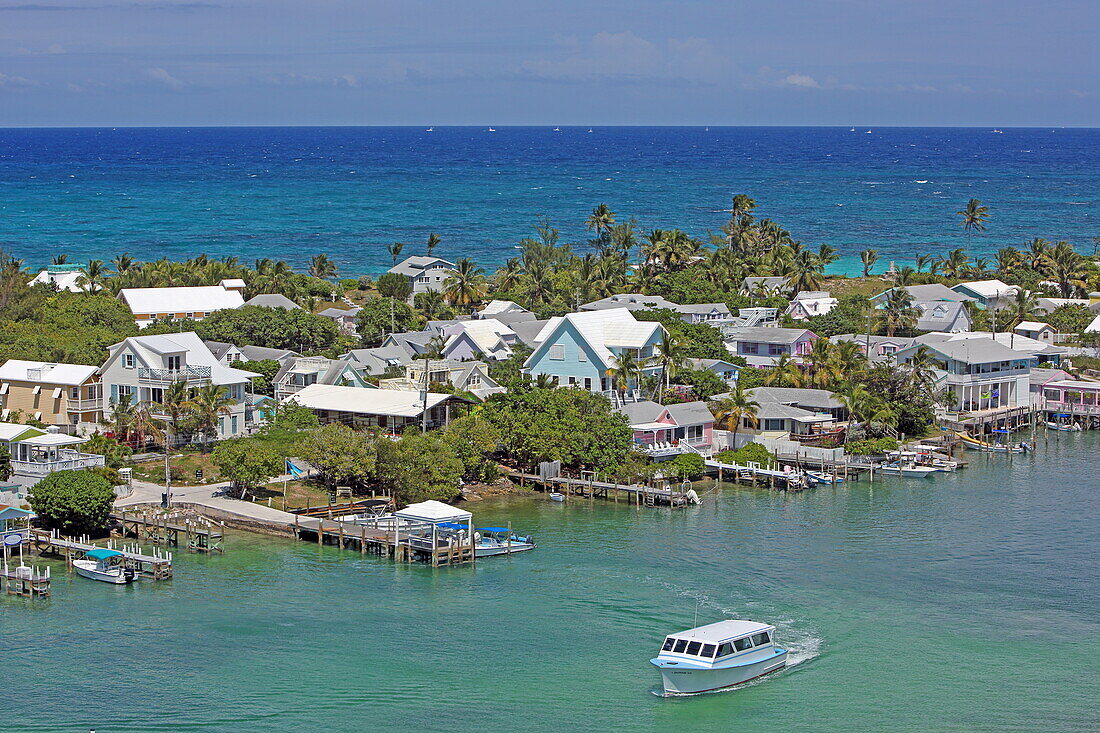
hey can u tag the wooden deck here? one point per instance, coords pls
(28, 582)
(401, 542)
(173, 530)
(590, 488)
(155, 566)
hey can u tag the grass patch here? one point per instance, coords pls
(183, 467)
(299, 494)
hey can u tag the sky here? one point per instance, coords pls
(562, 62)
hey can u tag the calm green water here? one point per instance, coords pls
(969, 602)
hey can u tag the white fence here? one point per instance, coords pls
(725, 440)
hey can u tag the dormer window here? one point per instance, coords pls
(127, 361)
(173, 362)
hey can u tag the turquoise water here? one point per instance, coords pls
(289, 193)
(968, 602)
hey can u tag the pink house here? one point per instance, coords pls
(660, 428)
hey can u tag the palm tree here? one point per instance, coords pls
(1065, 266)
(904, 276)
(899, 313)
(827, 255)
(805, 272)
(123, 418)
(395, 251)
(734, 409)
(93, 276)
(431, 304)
(466, 287)
(670, 356)
(600, 220)
(921, 367)
(122, 263)
(1008, 259)
(1024, 305)
(174, 405)
(627, 369)
(433, 242)
(955, 264)
(868, 257)
(1037, 252)
(59, 259)
(784, 373)
(923, 261)
(974, 217)
(207, 404)
(322, 268)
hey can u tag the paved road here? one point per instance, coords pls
(211, 495)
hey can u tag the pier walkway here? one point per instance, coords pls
(157, 566)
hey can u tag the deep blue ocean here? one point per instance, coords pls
(289, 193)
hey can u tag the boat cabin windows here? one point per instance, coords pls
(708, 651)
(742, 644)
(681, 644)
(669, 643)
(760, 639)
(715, 650)
(693, 648)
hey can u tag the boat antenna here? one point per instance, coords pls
(696, 613)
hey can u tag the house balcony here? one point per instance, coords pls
(985, 377)
(90, 405)
(62, 460)
(1072, 408)
(148, 375)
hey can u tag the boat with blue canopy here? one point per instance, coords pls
(106, 566)
(490, 541)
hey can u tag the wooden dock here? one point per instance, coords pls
(550, 479)
(23, 580)
(174, 529)
(399, 540)
(155, 566)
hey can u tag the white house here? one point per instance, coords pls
(465, 376)
(63, 277)
(1036, 330)
(142, 367)
(194, 303)
(979, 373)
(696, 313)
(988, 293)
(298, 373)
(942, 315)
(424, 273)
(64, 395)
(808, 304)
(487, 338)
(389, 409)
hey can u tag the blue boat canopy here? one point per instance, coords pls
(102, 554)
(452, 525)
(492, 529)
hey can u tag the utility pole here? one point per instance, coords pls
(867, 342)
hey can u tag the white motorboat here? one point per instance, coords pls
(717, 656)
(490, 541)
(1067, 427)
(823, 477)
(908, 470)
(492, 129)
(105, 566)
(557, 496)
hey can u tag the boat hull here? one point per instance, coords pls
(115, 576)
(682, 680)
(502, 549)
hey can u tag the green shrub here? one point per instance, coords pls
(754, 452)
(871, 446)
(685, 466)
(73, 502)
(349, 283)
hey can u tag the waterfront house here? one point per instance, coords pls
(668, 430)
(810, 303)
(424, 273)
(820, 401)
(141, 367)
(67, 396)
(61, 277)
(978, 373)
(1072, 397)
(1042, 332)
(486, 339)
(1040, 377)
(882, 348)
(391, 410)
(1041, 352)
(273, 300)
(779, 420)
(754, 286)
(298, 373)
(36, 453)
(727, 371)
(988, 293)
(583, 348)
(762, 346)
(343, 318)
(924, 293)
(192, 303)
(464, 376)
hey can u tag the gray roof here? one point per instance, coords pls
(377, 360)
(703, 308)
(685, 413)
(511, 318)
(779, 411)
(766, 335)
(526, 331)
(701, 364)
(970, 351)
(338, 313)
(413, 266)
(931, 318)
(273, 300)
(630, 301)
(930, 291)
(1040, 375)
(810, 398)
(218, 348)
(413, 342)
(261, 353)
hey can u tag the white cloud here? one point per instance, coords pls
(55, 48)
(161, 76)
(8, 80)
(801, 80)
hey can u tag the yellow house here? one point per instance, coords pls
(65, 395)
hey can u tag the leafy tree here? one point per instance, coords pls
(267, 369)
(342, 455)
(575, 426)
(507, 372)
(685, 466)
(419, 467)
(381, 316)
(697, 340)
(472, 439)
(704, 382)
(1070, 318)
(754, 452)
(274, 328)
(247, 462)
(73, 502)
(5, 464)
(394, 285)
(848, 316)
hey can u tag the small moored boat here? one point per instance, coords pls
(908, 470)
(104, 565)
(557, 496)
(490, 541)
(717, 656)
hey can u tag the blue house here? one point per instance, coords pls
(580, 349)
